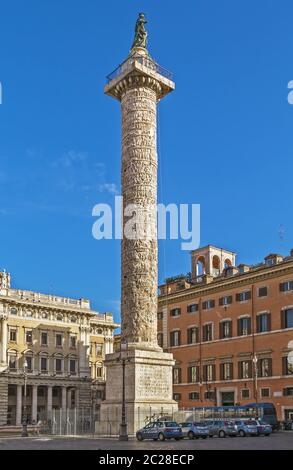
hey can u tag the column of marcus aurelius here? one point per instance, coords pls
(139, 83)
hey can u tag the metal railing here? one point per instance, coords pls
(143, 60)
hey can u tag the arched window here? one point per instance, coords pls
(227, 263)
(200, 266)
(216, 265)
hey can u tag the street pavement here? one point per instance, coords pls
(277, 441)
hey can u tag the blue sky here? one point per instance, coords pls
(226, 133)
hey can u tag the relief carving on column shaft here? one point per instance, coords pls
(139, 85)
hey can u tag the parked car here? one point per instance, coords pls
(221, 428)
(263, 428)
(246, 427)
(194, 430)
(160, 430)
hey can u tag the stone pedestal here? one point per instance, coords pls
(148, 390)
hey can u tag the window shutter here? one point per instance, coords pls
(221, 371)
(291, 285)
(250, 369)
(179, 338)
(270, 371)
(248, 295)
(221, 330)
(204, 333)
(232, 370)
(282, 287)
(259, 367)
(230, 329)
(237, 297)
(269, 321)
(239, 370)
(221, 301)
(188, 308)
(283, 319)
(249, 326)
(197, 373)
(284, 365)
(239, 327)
(214, 372)
(204, 373)
(212, 303)
(204, 305)
(258, 323)
(230, 299)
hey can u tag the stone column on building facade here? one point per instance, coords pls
(83, 352)
(64, 398)
(18, 404)
(34, 403)
(139, 84)
(49, 401)
(4, 331)
(69, 397)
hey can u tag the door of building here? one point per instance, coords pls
(227, 398)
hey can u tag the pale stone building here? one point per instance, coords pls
(57, 346)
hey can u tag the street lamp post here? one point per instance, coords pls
(24, 420)
(123, 435)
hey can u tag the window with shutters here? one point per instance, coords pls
(193, 396)
(243, 296)
(265, 392)
(210, 395)
(207, 332)
(226, 371)
(176, 375)
(286, 286)
(265, 367)
(287, 366)
(192, 374)
(244, 326)
(209, 373)
(245, 369)
(263, 322)
(262, 291)
(226, 329)
(192, 308)
(175, 338)
(192, 335)
(208, 304)
(175, 312)
(287, 318)
(227, 300)
(288, 392)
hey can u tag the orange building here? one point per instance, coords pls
(230, 330)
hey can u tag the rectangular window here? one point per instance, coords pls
(177, 396)
(286, 286)
(44, 364)
(58, 365)
(288, 392)
(58, 340)
(245, 393)
(28, 336)
(192, 308)
(245, 369)
(192, 335)
(99, 350)
(264, 392)
(209, 374)
(287, 318)
(12, 362)
(210, 395)
(175, 312)
(176, 375)
(226, 370)
(44, 339)
(244, 326)
(207, 332)
(72, 366)
(243, 296)
(175, 338)
(72, 342)
(264, 367)
(99, 372)
(12, 335)
(160, 315)
(226, 329)
(208, 304)
(192, 374)
(227, 300)
(263, 292)
(287, 366)
(29, 362)
(193, 396)
(263, 322)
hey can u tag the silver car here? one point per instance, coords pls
(246, 427)
(221, 428)
(194, 430)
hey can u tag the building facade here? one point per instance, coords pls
(230, 330)
(52, 353)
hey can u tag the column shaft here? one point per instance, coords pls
(19, 405)
(49, 401)
(34, 403)
(64, 398)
